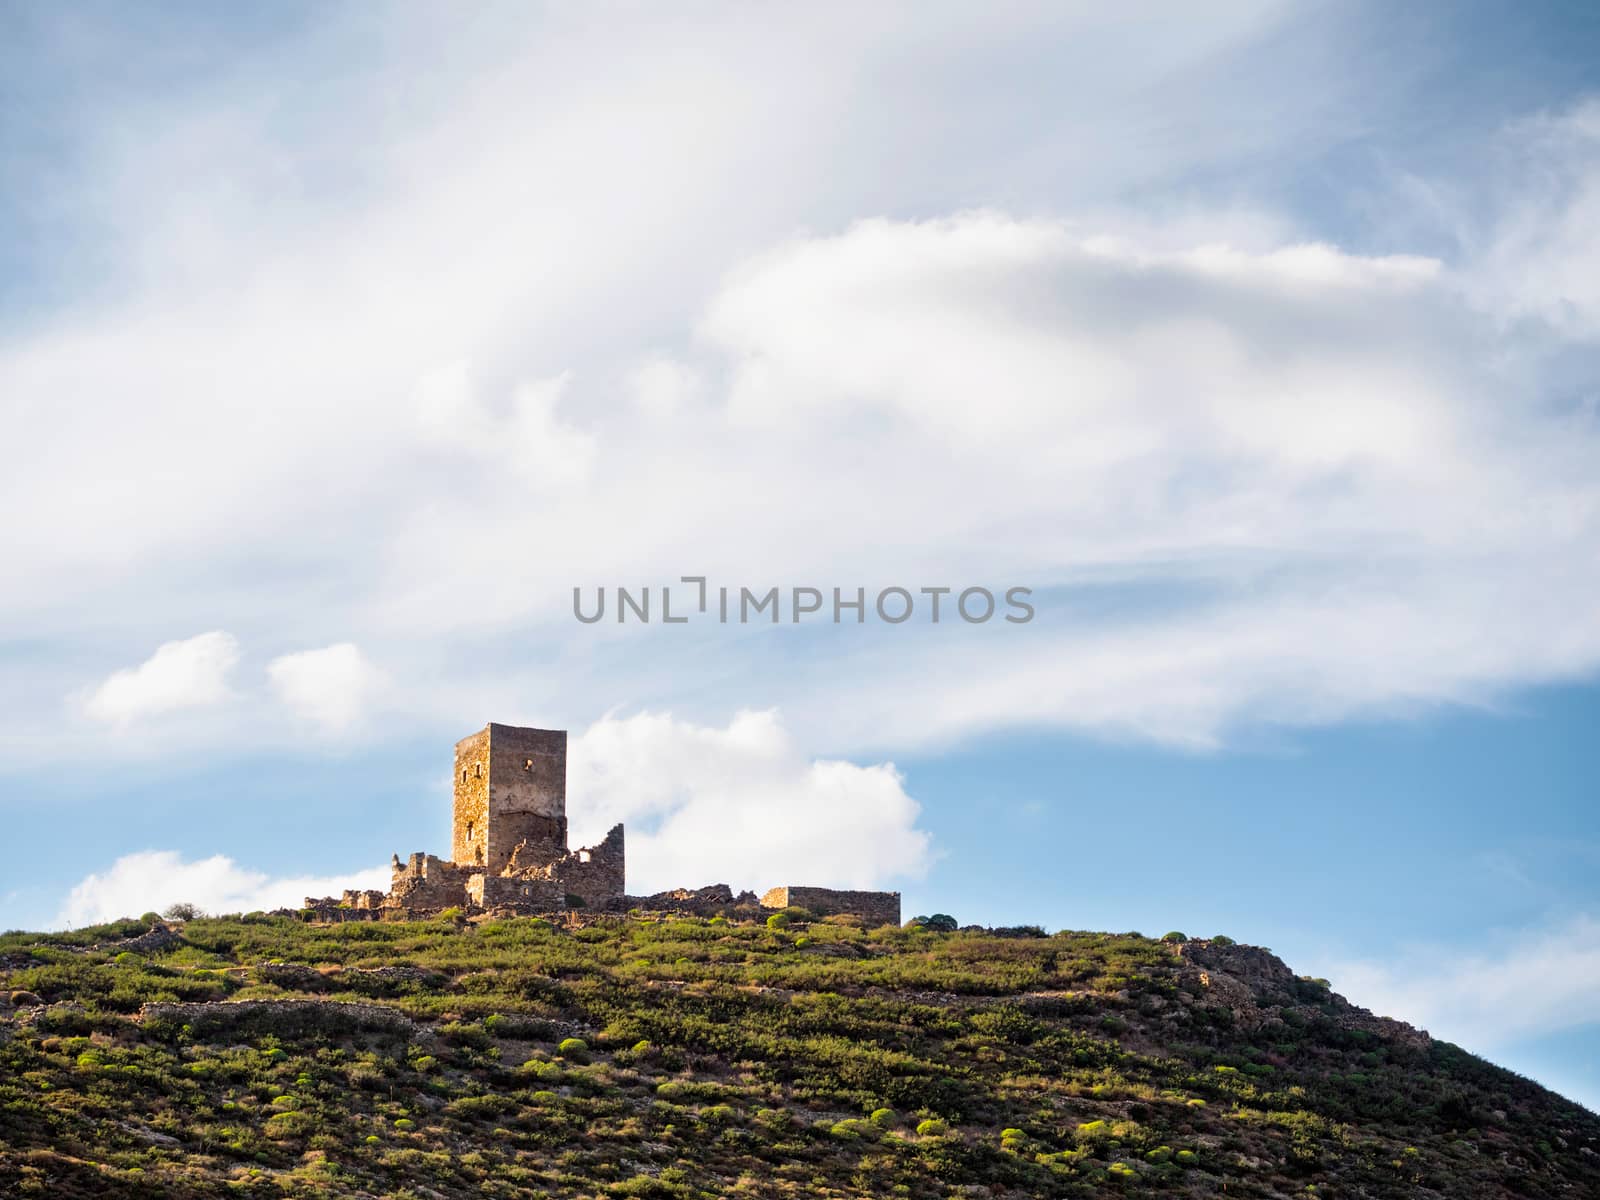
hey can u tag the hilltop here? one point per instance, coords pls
(670, 1056)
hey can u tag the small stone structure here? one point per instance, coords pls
(873, 908)
(509, 852)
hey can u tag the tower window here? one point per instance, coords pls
(469, 831)
(463, 774)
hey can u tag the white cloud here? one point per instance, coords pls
(1541, 981)
(154, 879)
(662, 388)
(189, 674)
(741, 805)
(1325, 485)
(330, 687)
(525, 440)
(1533, 252)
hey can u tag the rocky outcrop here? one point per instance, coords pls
(1257, 987)
(157, 938)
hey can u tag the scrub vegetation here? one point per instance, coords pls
(659, 1056)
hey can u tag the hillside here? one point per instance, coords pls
(691, 1057)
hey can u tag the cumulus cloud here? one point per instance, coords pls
(1539, 982)
(151, 880)
(703, 803)
(330, 687)
(189, 674)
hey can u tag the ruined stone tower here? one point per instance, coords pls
(509, 853)
(510, 790)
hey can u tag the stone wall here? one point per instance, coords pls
(873, 908)
(594, 876)
(427, 883)
(504, 891)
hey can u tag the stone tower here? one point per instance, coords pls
(510, 789)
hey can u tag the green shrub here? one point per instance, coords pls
(572, 1047)
(1174, 936)
(778, 920)
(932, 1127)
(884, 1118)
(1222, 939)
(290, 1125)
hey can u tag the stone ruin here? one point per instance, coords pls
(509, 853)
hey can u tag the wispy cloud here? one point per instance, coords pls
(427, 399)
(1539, 981)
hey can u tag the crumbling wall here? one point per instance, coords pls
(713, 900)
(427, 883)
(593, 877)
(873, 908)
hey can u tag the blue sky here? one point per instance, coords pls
(338, 346)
